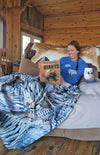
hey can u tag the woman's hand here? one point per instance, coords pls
(91, 78)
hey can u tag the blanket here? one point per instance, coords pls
(29, 109)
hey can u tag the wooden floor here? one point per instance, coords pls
(56, 146)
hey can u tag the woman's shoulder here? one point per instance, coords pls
(64, 58)
(82, 61)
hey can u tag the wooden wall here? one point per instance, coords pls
(65, 20)
(18, 16)
(9, 10)
(56, 29)
(32, 21)
(82, 27)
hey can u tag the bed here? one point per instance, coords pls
(53, 110)
(83, 123)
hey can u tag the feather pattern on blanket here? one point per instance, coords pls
(30, 109)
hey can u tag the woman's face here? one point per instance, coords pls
(72, 52)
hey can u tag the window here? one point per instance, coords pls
(25, 41)
(26, 38)
(1, 33)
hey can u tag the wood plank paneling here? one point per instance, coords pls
(9, 38)
(85, 35)
(82, 27)
(64, 20)
(32, 17)
(13, 34)
(76, 20)
(13, 3)
(62, 15)
(16, 36)
(10, 12)
(65, 7)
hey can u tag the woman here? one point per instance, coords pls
(72, 67)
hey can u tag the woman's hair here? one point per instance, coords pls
(77, 46)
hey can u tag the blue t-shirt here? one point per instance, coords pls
(69, 72)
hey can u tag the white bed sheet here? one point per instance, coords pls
(86, 113)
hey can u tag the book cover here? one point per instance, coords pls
(49, 72)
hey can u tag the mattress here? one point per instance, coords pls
(83, 122)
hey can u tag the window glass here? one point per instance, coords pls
(25, 41)
(1, 34)
(36, 40)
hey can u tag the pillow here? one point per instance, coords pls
(29, 53)
(28, 67)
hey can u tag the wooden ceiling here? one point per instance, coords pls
(65, 7)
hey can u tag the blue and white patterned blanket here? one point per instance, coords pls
(29, 109)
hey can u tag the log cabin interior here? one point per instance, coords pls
(54, 22)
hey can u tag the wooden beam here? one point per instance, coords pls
(24, 7)
(32, 29)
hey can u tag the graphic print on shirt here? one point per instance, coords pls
(67, 65)
(72, 72)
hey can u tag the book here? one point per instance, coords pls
(49, 72)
